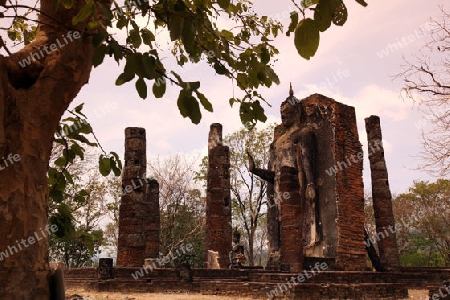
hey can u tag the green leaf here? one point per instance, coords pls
(60, 162)
(258, 111)
(56, 195)
(121, 22)
(124, 77)
(52, 175)
(148, 63)
(193, 85)
(84, 127)
(224, 4)
(98, 38)
(147, 36)
(220, 68)
(307, 38)
(205, 103)
(78, 150)
(116, 156)
(265, 55)
(67, 3)
(99, 55)
(114, 168)
(175, 26)
(84, 140)
(84, 12)
(68, 177)
(242, 81)
(116, 164)
(246, 115)
(104, 165)
(323, 14)
(293, 24)
(229, 36)
(134, 38)
(131, 64)
(107, 14)
(188, 37)
(78, 109)
(340, 14)
(159, 87)
(60, 184)
(141, 88)
(271, 75)
(188, 106)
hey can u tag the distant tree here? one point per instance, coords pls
(111, 231)
(416, 248)
(182, 207)
(426, 80)
(422, 214)
(77, 216)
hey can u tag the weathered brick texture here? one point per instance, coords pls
(340, 194)
(218, 202)
(381, 197)
(291, 225)
(139, 222)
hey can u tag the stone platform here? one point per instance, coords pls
(260, 284)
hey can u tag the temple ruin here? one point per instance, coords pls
(311, 162)
(315, 217)
(218, 200)
(139, 224)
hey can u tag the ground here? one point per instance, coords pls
(413, 294)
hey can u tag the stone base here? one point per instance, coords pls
(258, 284)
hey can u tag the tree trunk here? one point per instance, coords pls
(251, 240)
(32, 101)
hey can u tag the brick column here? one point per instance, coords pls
(218, 202)
(152, 225)
(139, 208)
(381, 197)
(291, 219)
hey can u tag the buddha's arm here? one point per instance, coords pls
(266, 175)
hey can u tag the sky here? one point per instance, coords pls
(353, 65)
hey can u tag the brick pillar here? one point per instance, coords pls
(218, 201)
(381, 196)
(139, 208)
(291, 231)
(152, 225)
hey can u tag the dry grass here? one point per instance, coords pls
(413, 294)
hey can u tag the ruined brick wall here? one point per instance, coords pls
(381, 196)
(291, 223)
(340, 192)
(351, 252)
(139, 208)
(218, 202)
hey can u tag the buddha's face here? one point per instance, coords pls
(288, 115)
